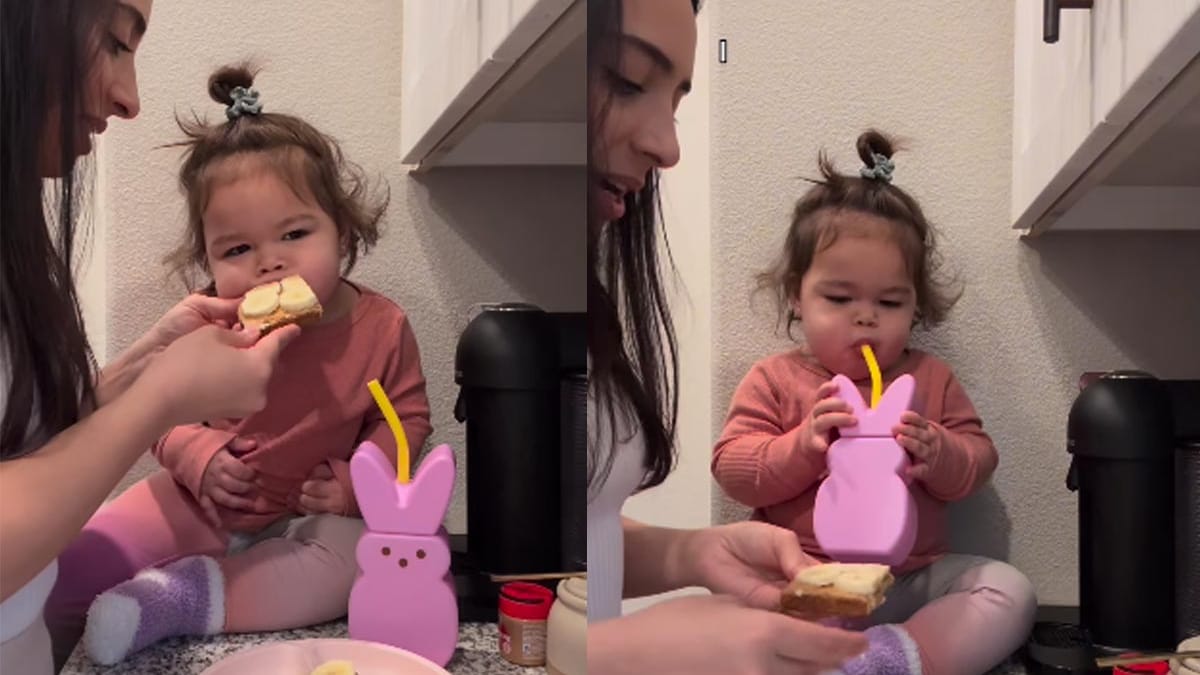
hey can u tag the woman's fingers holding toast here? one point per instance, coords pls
(271, 344)
(212, 372)
(212, 308)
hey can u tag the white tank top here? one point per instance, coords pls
(605, 538)
(25, 606)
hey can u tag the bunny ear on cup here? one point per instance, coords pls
(896, 399)
(880, 420)
(849, 393)
(374, 481)
(416, 507)
(430, 491)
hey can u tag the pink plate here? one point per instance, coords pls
(301, 657)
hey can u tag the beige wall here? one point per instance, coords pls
(452, 239)
(802, 76)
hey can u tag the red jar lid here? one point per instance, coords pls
(1154, 668)
(525, 601)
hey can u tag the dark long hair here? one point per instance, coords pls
(631, 339)
(45, 54)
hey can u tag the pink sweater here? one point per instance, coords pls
(760, 461)
(319, 409)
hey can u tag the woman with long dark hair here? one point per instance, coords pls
(640, 58)
(68, 433)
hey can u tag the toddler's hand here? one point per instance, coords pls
(322, 493)
(829, 412)
(921, 440)
(228, 482)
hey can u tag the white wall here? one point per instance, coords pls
(91, 270)
(802, 76)
(451, 239)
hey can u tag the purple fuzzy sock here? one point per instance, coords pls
(186, 597)
(890, 651)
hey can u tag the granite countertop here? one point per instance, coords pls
(476, 652)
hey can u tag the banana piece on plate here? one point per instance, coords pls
(279, 303)
(339, 667)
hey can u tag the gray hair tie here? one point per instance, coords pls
(245, 102)
(884, 166)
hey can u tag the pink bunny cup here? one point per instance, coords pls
(864, 511)
(404, 594)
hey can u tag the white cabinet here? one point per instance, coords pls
(1106, 122)
(494, 82)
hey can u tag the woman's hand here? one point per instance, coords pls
(211, 373)
(189, 314)
(718, 635)
(752, 561)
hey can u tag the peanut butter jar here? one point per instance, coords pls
(523, 610)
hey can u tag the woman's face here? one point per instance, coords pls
(637, 98)
(110, 85)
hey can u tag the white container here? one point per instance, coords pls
(566, 630)
(1190, 666)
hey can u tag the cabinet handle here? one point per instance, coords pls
(1050, 16)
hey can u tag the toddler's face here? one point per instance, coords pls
(856, 291)
(257, 230)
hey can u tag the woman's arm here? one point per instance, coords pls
(116, 377)
(47, 496)
(715, 635)
(654, 559)
(186, 316)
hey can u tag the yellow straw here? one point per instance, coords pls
(389, 414)
(876, 377)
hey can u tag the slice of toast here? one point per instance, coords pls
(279, 303)
(836, 590)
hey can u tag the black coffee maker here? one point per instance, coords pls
(1135, 462)
(522, 374)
